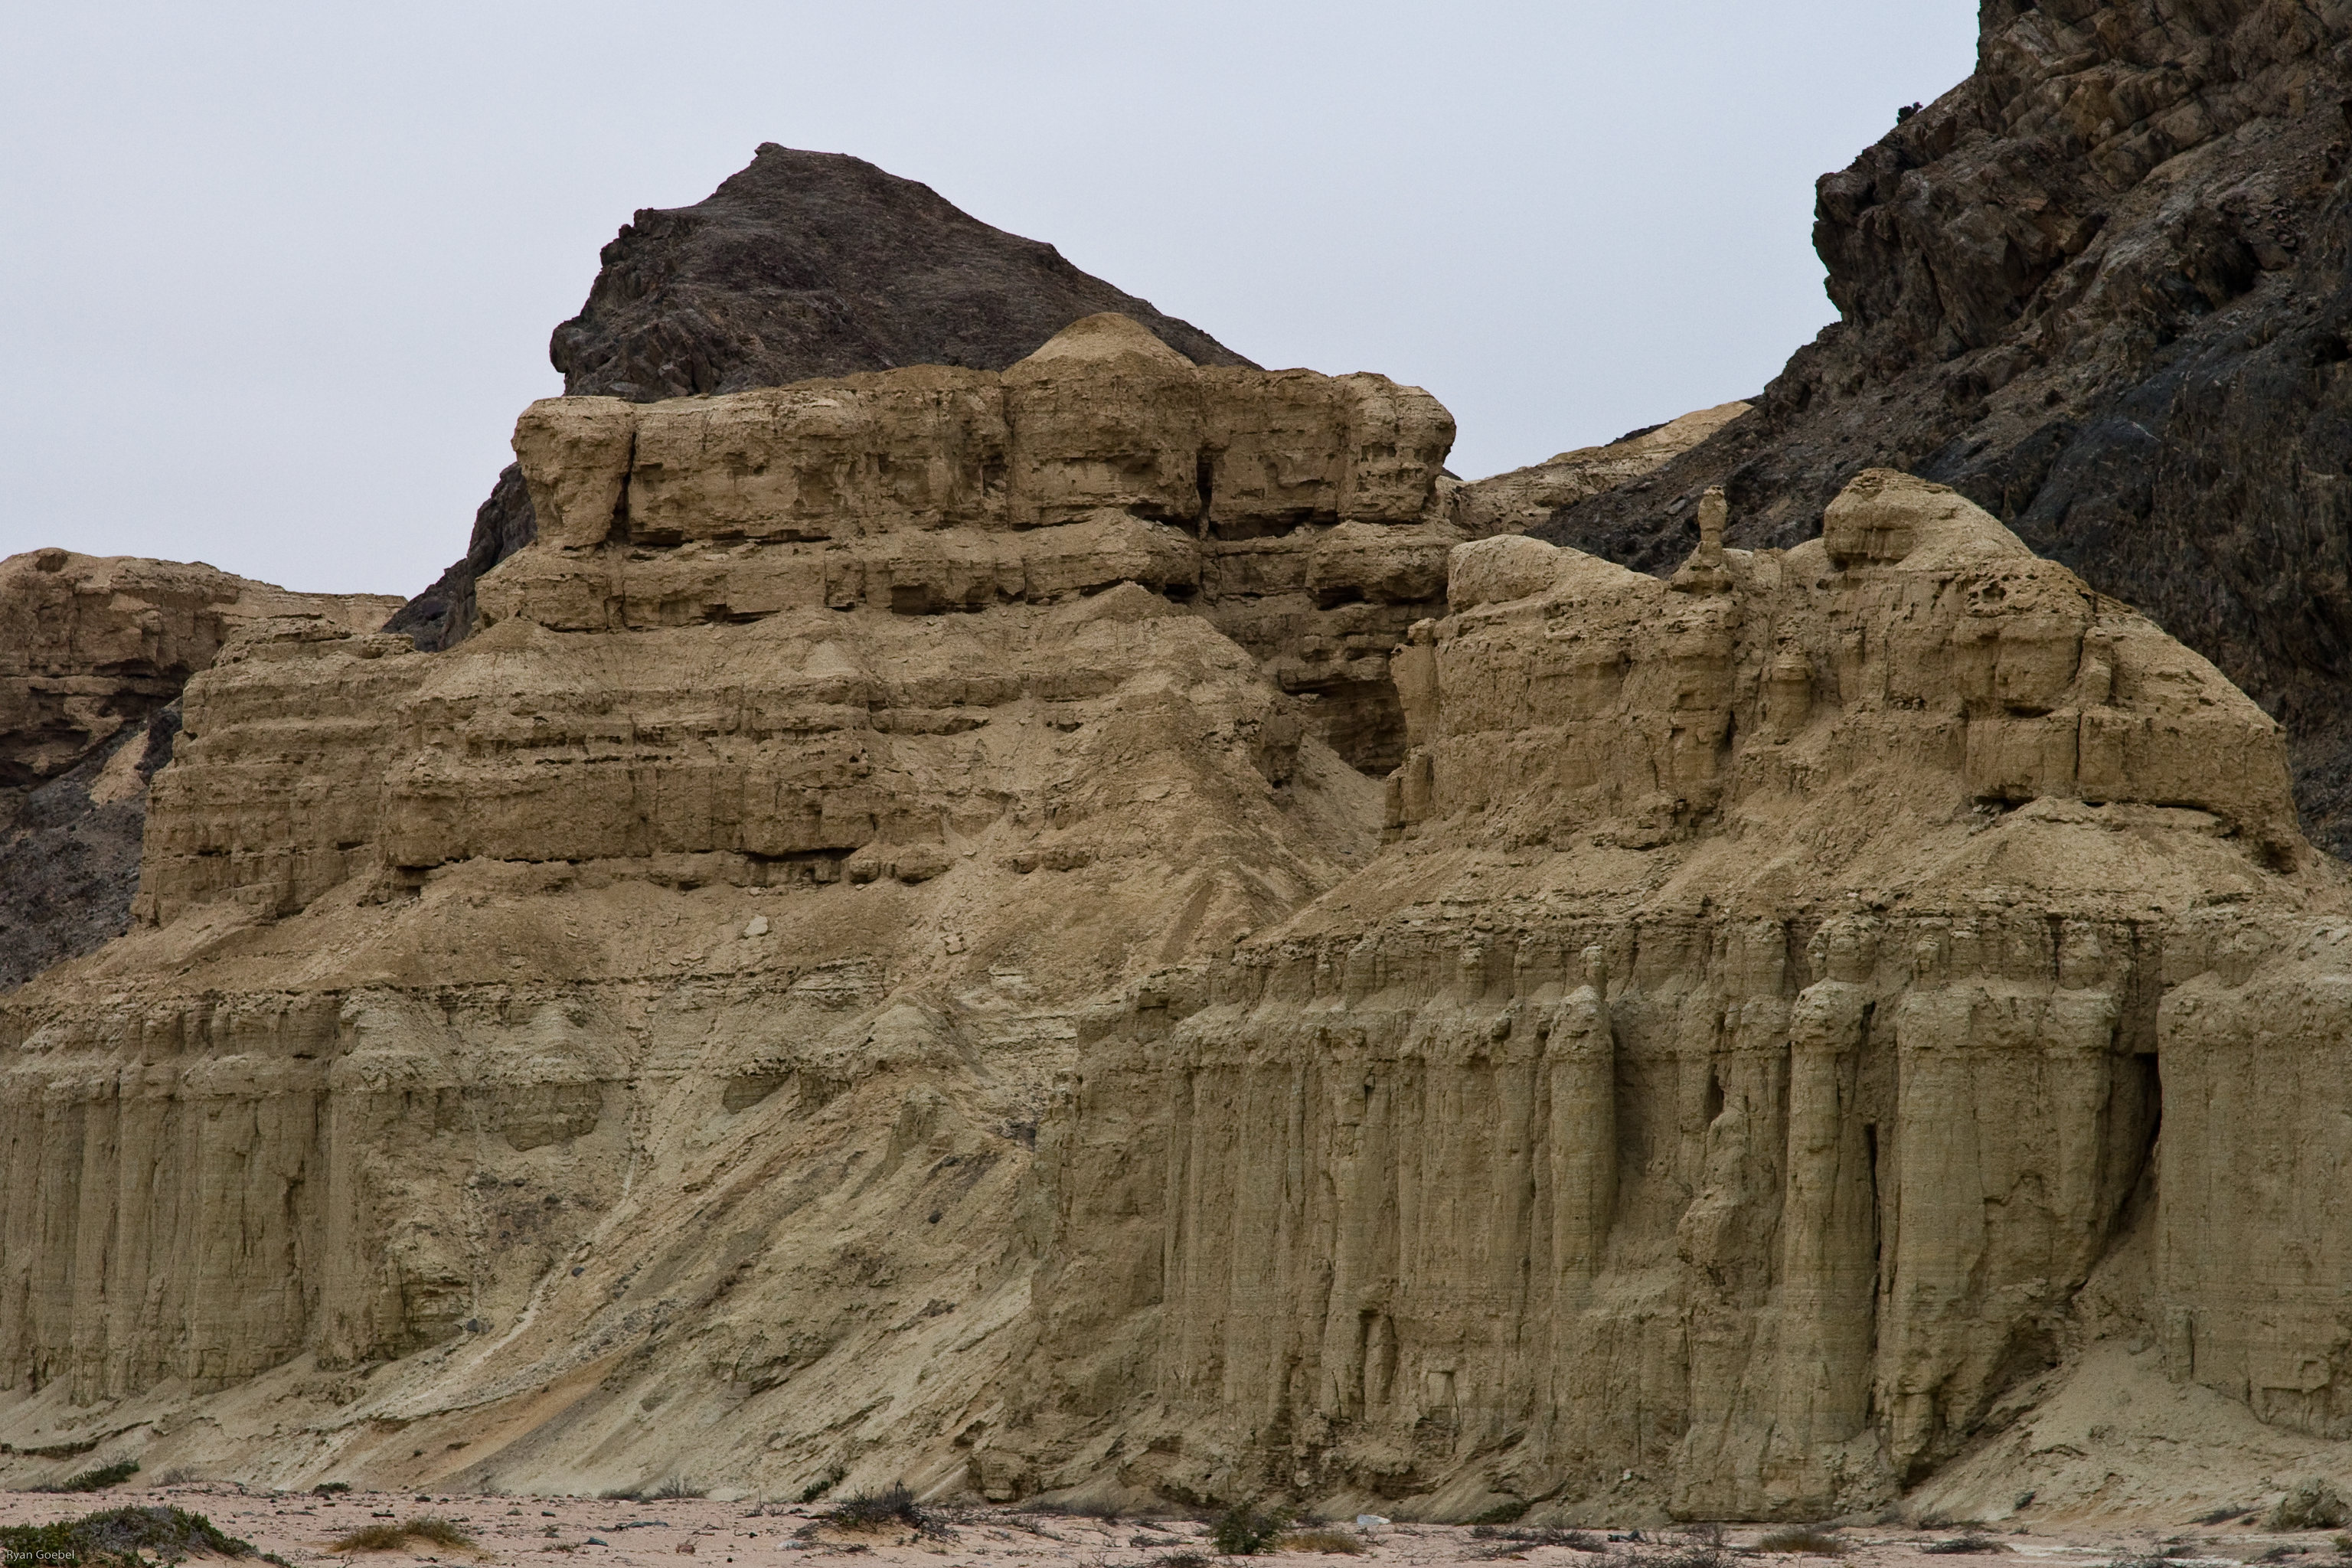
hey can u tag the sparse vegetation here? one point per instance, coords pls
(2343, 1544)
(676, 1487)
(96, 1480)
(1182, 1560)
(118, 1536)
(1973, 1541)
(868, 1513)
(823, 1484)
(328, 1488)
(1509, 1542)
(396, 1537)
(1502, 1512)
(1802, 1539)
(1702, 1547)
(1329, 1538)
(1243, 1531)
(2310, 1504)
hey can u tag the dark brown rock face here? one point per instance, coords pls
(2101, 289)
(801, 265)
(69, 850)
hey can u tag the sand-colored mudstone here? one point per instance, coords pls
(1744, 1062)
(854, 972)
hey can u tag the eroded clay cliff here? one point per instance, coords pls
(858, 970)
(1751, 1047)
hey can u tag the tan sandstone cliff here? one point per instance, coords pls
(867, 966)
(93, 653)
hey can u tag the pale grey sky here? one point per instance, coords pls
(284, 274)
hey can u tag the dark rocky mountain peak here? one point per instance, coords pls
(802, 264)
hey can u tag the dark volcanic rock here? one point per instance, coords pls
(503, 524)
(2101, 288)
(805, 264)
(69, 859)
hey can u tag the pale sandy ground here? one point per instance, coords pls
(301, 1528)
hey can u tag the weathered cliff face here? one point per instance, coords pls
(2098, 288)
(801, 265)
(1302, 513)
(1721, 1092)
(650, 1002)
(93, 653)
(853, 973)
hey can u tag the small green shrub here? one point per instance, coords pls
(1958, 1544)
(96, 1480)
(1802, 1539)
(328, 1488)
(867, 1512)
(371, 1538)
(396, 1537)
(823, 1484)
(1502, 1513)
(1244, 1530)
(119, 1535)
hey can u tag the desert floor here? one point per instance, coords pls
(302, 1529)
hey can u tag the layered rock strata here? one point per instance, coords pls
(93, 654)
(1753, 1043)
(655, 997)
(2099, 287)
(799, 266)
(851, 975)
(1303, 513)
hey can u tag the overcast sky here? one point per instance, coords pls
(283, 275)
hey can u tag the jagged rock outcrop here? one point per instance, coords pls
(852, 974)
(2100, 288)
(93, 653)
(799, 266)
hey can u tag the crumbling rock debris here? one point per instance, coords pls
(2101, 289)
